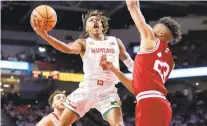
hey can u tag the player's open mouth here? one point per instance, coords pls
(96, 26)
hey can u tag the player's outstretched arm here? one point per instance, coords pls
(123, 78)
(145, 30)
(127, 82)
(124, 56)
(46, 121)
(73, 47)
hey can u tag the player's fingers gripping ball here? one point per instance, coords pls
(43, 14)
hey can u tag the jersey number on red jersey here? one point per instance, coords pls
(162, 68)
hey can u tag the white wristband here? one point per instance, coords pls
(129, 63)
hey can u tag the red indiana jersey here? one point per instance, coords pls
(152, 69)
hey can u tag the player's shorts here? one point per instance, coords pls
(152, 109)
(103, 98)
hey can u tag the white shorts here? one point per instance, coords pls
(103, 98)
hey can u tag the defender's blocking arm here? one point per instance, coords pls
(123, 78)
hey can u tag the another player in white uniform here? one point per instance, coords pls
(56, 103)
(98, 88)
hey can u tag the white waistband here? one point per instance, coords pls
(149, 94)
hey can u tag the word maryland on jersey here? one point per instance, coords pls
(102, 50)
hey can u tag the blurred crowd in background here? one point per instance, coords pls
(185, 112)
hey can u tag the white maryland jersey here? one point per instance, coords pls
(91, 60)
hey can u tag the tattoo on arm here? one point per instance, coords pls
(124, 55)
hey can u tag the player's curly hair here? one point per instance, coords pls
(85, 17)
(51, 98)
(173, 26)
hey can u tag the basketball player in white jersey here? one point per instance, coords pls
(98, 87)
(56, 103)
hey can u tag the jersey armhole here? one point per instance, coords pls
(152, 50)
(117, 46)
(86, 49)
(117, 43)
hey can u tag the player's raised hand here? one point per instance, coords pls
(39, 27)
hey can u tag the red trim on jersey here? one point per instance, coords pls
(55, 116)
(72, 106)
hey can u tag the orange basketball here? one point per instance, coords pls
(47, 14)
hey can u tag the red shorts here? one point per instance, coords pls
(153, 112)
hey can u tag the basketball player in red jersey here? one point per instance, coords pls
(98, 87)
(152, 67)
(56, 103)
